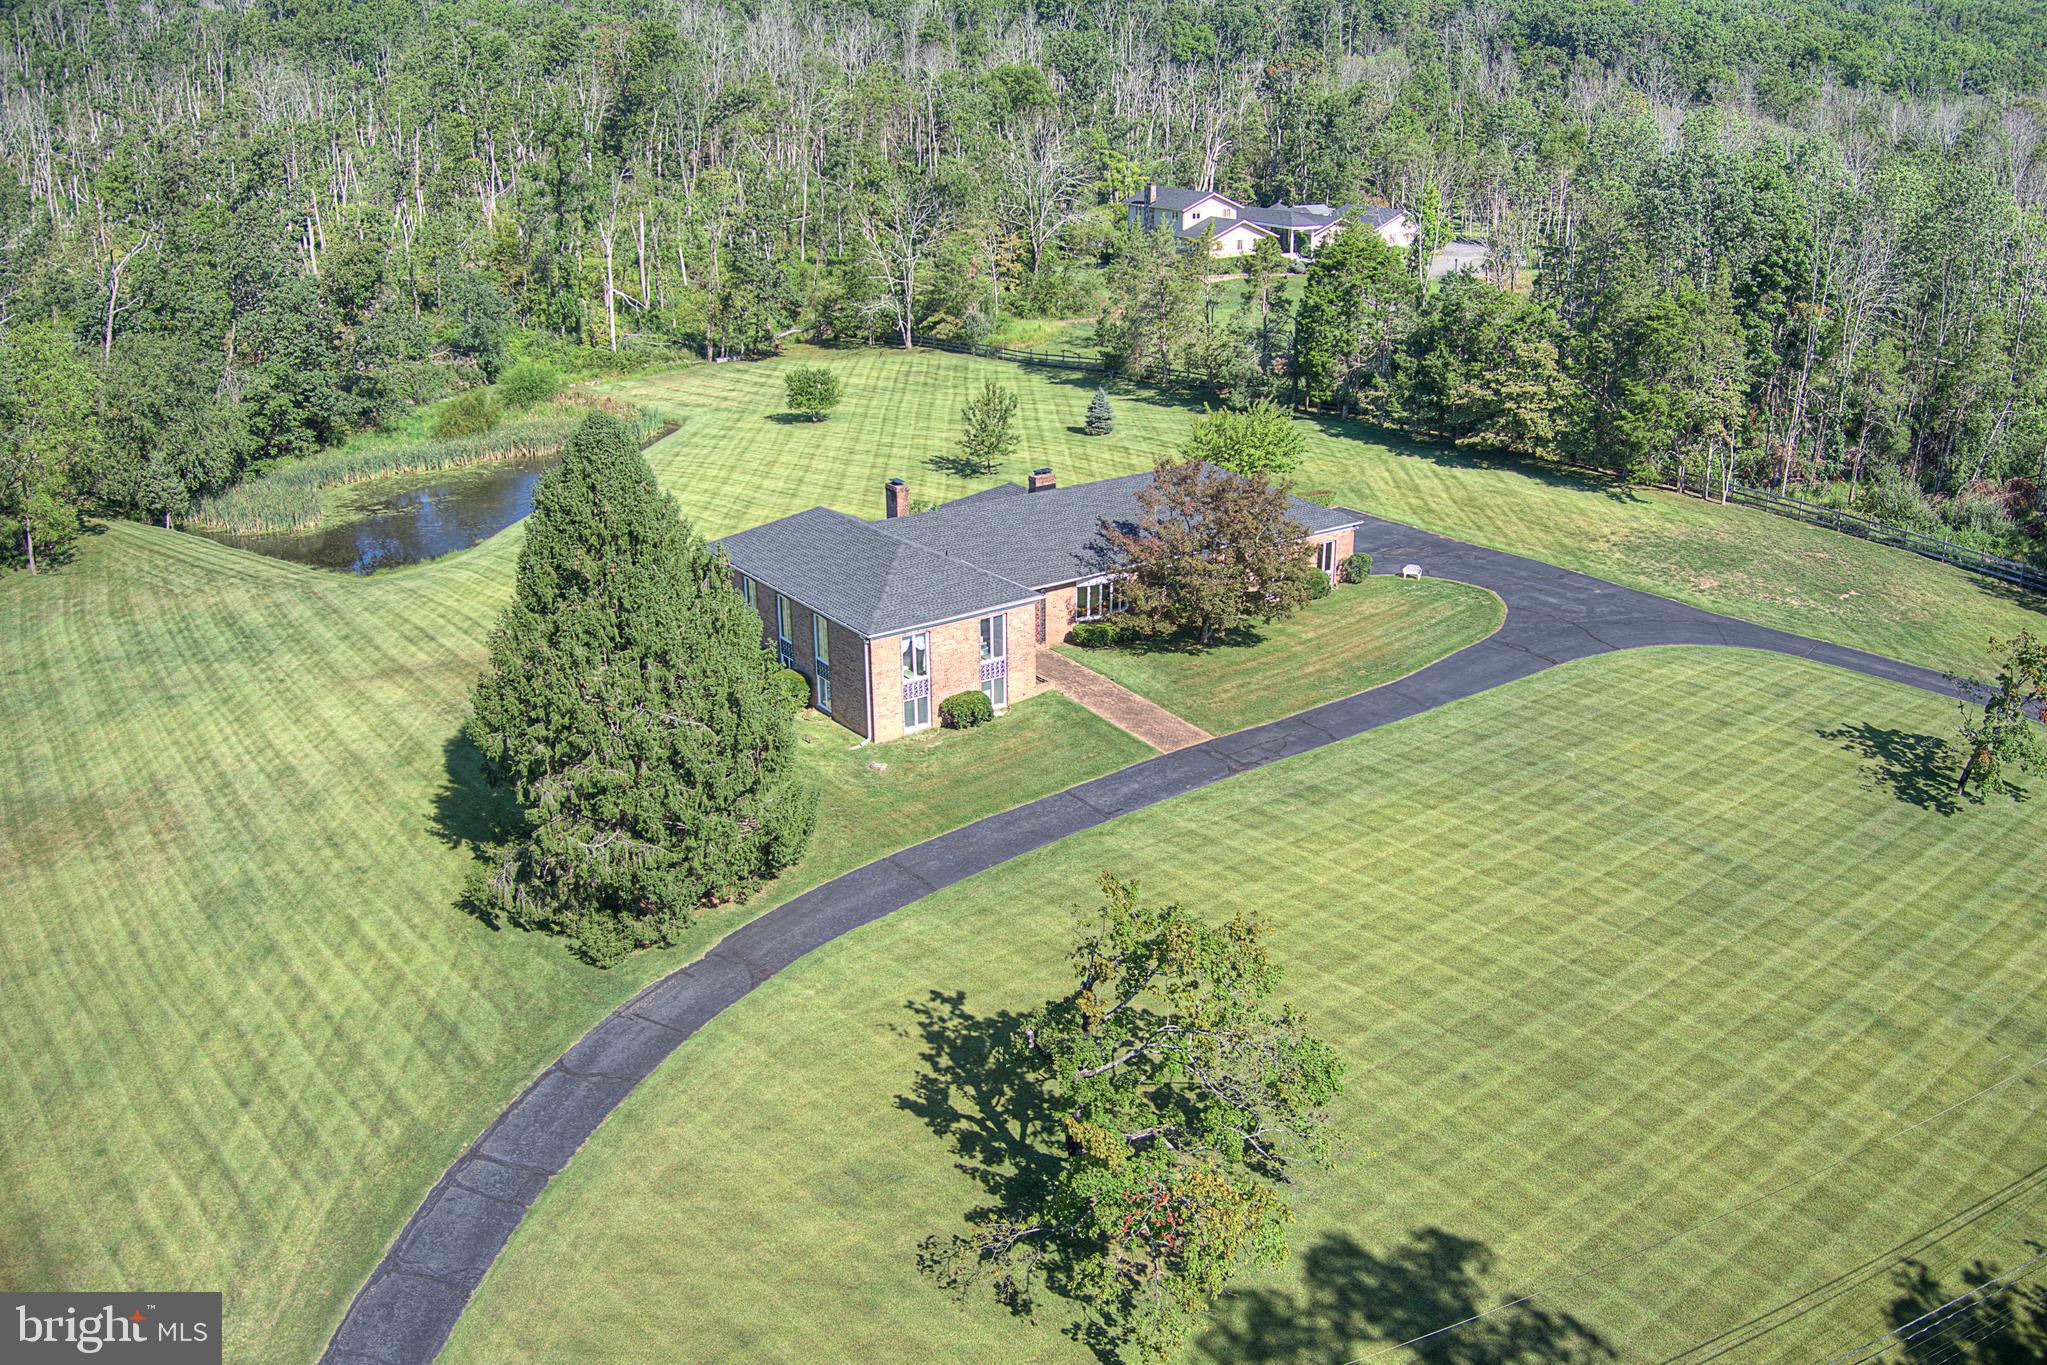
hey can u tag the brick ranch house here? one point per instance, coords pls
(888, 618)
(1234, 228)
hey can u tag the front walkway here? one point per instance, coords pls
(1117, 704)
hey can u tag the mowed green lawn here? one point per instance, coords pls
(248, 1029)
(735, 462)
(246, 1026)
(1360, 636)
(1671, 991)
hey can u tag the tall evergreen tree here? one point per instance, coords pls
(634, 711)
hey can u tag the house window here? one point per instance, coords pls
(821, 650)
(1095, 599)
(746, 591)
(995, 659)
(1325, 558)
(783, 647)
(916, 681)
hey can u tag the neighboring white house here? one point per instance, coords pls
(1235, 229)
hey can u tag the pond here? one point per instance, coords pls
(404, 520)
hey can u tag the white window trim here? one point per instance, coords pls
(1111, 600)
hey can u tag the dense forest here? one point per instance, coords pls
(1796, 239)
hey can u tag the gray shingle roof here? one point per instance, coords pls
(1287, 216)
(1219, 226)
(993, 549)
(1304, 216)
(872, 584)
(1050, 537)
(1173, 200)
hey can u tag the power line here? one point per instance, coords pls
(1722, 1216)
(2015, 1195)
(1935, 1322)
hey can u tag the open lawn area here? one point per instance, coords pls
(735, 464)
(1673, 990)
(1358, 637)
(247, 1028)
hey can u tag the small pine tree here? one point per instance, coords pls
(1100, 421)
(634, 712)
(990, 438)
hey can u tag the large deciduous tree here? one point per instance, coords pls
(1156, 322)
(1486, 370)
(1210, 550)
(1171, 1100)
(633, 710)
(901, 222)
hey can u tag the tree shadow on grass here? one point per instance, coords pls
(1983, 1316)
(2031, 599)
(470, 813)
(959, 466)
(1918, 769)
(793, 419)
(973, 1091)
(1186, 642)
(1426, 1294)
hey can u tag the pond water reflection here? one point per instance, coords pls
(409, 524)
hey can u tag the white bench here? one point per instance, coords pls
(1410, 571)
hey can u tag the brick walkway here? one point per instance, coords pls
(1118, 705)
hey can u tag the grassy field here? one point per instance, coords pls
(1672, 989)
(247, 1028)
(736, 463)
(1360, 636)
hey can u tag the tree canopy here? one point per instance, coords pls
(635, 713)
(1791, 241)
(1262, 439)
(1211, 549)
(1172, 1100)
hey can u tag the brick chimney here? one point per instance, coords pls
(896, 498)
(1151, 193)
(1041, 480)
